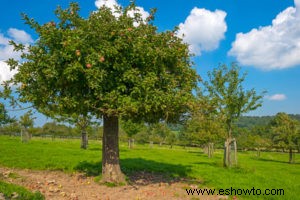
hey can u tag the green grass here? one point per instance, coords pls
(22, 194)
(270, 171)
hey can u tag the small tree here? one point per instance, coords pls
(81, 121)
(286, 133)
(131, 128)
(26, 121)
(205, 125)
(225, 89)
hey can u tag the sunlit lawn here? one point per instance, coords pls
(270, 171)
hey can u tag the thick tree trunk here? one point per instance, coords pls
(111, 171)
(84, 139)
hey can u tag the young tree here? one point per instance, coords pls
(131, 128)
(225, 89)
(81, 121)
(286, 132)
(107, 66)
(26, 121)
(205, 126)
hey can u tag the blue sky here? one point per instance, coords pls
(263, 37)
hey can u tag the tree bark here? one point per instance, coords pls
(235, 151)
(84, 139)
(111, 171)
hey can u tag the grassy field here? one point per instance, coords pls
(9, 190)
(270, 171)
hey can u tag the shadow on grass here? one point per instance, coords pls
(213, 164)
(141, 171)
(94, 149)
(277, 161)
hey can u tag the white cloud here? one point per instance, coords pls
(7, 51)
(19, 36)
(5, 73)
(203, 29)
(144, 14)
(113, 3)
(276, 97)
(276, 46)
(107, 3)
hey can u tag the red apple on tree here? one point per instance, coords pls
(101, 59)
(88, 65)
(77, 52)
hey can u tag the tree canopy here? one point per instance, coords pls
(105, 65)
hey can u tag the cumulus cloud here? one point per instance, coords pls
(276, 97)
(276, 46)
(19, 35)
(5, 73)
(107, 3)
(7, 51)
(203, 29)
(112, 4)
(140, 10)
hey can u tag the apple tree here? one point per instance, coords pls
(106, 65)
(285, 133)
(225, 89)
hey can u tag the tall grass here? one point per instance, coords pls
(270, 171)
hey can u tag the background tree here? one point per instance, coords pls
(4, 117)
(224, 87)
(131, 128)
(172, 138)
(26, 121)
(204, 125)
(106, 66)
(81, 121)
(286, 133)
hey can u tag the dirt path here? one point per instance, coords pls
(56, 185)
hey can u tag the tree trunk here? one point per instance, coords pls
(84, 139)
(151, 144)
(111, 171)
(291, 155)
(226, 160)
(129, 143)
(235, 152)
(24, 135)
(210, 149)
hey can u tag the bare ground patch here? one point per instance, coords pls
(56, 185)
